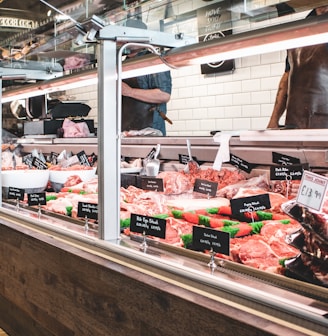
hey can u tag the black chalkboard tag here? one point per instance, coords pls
(209, 239)
(36, 199)
(152, 183)
(184, 158)
(150, 226)
(39, 164)
(242, 205)
(83, 158)
(241, 164)
(206, 187)
(16, 193)
(283, 159)
(87, 210)
(286, 172)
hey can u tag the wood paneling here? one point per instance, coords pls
(49, 287)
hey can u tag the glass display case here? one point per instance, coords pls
(173, 32)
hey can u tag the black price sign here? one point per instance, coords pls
(283, 159)
(241, 164)
(184, 158)
(83, 158)
(36, 199)
(16, 193)
(312, 190)
(87, 210)
(210, 239)
(150, 183)
(242, 205)
(39, 164)
(206, 187)
(150, 226)
(286, 172)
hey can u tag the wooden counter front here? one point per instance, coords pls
(49, 286)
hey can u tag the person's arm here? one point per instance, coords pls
(280, 103)
(153, 96)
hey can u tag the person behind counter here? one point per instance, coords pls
(144, 101)
(303, 89)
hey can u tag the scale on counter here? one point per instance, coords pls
(51, 122)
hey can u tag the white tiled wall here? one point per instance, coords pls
(201, 103)
(241, 100)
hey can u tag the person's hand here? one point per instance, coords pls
(126, 90)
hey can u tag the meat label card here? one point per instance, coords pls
(39, 164)
(312, 190)
(83, 158)
(87, 210)
(36, 199)
(242, 205)
(286, 172)
(16, 193)
(152, 183)
(184, 158)
(206, 187)
(150, 226)
(282, 159)
(207, 239)
(241, 164)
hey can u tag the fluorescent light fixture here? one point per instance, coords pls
(49, 87)
(279, 37)
(263, 48)
(317, 135)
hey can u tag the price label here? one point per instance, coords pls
(206, 187)
(284, 159)
(36, 199)
(16, 193)
(241, 164)
(89, 210)
(150, 226)
(207, 239)
(242, 205)
(152, 184)
(286, 172)
(312, 190)
(83, 158)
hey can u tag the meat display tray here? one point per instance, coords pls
(233, 268)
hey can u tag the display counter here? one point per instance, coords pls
(62, 279)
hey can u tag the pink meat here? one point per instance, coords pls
(258, 254)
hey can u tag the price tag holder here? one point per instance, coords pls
(210, 239)
(150, 183)
(149, 226)
(87, 210)
(83, 158)
(286, 172)
(206, 187)
(16, 193)
(312, 190)
(282, 159)
(241, 164)
(36, 199)
(242, 205)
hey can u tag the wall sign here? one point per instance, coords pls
(17, 23)
(214, 22)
